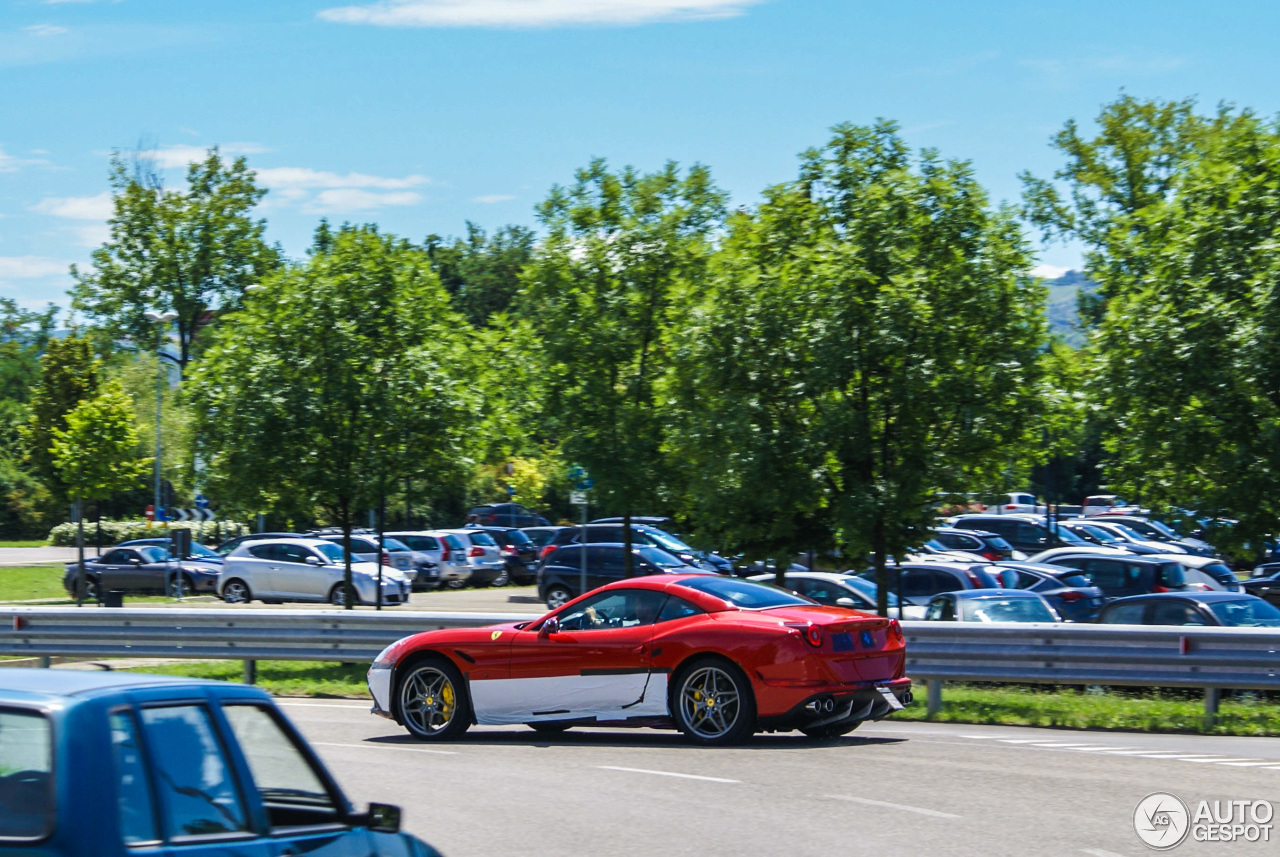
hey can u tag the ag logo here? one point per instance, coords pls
(1161, 821)
(495, 635)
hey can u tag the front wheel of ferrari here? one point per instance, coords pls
(432, 701)
(713, 704)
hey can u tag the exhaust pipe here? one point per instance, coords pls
(908, 698)
(828, 705)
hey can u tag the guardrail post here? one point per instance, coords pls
(1212, 696)
(933, 703)
(45, 662)
(250, 672)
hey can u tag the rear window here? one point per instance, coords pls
(747, 594)
(480, 537)
(518, 538)
(394, 544)
(420, 543)
(998, 543)
(1171, 574)
(26, 775)
(1008, 609)
(1074, 580)
(455, 543)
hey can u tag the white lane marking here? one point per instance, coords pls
(386, 747)
(1062, 745)
(1019, 740)
(1181, 757)
(1098, 852)
(916, 809)
(1249, 764)
(1217, 761)
(666, 774)
(1271, 769)
(1131, 752)
(364, 707)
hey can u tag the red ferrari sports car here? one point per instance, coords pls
(719, 658)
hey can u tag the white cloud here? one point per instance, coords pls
(355, 199)
(532, 13)
(1048, 272)
(92, 235)
(491, 198)
(182, 154)
(11, 164)
(44, 30)
(30, 267)
(303, 177)
(77, 207)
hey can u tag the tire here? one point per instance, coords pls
(338, 596)
(236, 591)
(455, 584)
(550, 728)
(502, 579)
(831, 730)
(188, 586)
(712, 703)
(90, 588)
(431, 700)
(558, 596)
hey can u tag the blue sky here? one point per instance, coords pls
(422, 114)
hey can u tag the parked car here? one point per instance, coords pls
(144, 568)
(841, 590)
(1108, 504)
(1156, 531)
(1018, 501)
(231, 544)
(642, 534)
(196, 553)
(505, 515)
(1265, 583)
(518, 552)
(1050, 556)
(1068, 592)
(109, 764)
(1121, 576)
(920, 581)
(560, 575)
(1214, 570)
(987, 545)
(995, 605)
(445, 552)
(1103, 537)
(1131, 538)
(541, 536)
(488, 568)
(1192, 608)
(1024, 532)
(364, 548)
(304, 569)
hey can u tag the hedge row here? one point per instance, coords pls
(113, 532)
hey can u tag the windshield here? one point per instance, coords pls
(1004, 610)
(1247, 612)
(659, 557)
(330, 551)
(393, 545)
(747, 594)
(668, 541)
(26, 774)
(1127, 532)
(867, 588)
(1069, 537)
(1074, 579)
(482, 538)
(1102, 536)
(151, 553)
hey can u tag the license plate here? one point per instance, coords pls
(891, 699)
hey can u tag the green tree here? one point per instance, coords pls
(482, 272)
(69, 374)
(868, 339)
(343, 375)
(603, 293)
(96, 454)
(192, 252)
(1185, 361)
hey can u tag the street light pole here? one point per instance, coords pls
(160, 319)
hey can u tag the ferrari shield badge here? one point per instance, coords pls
(495, 635)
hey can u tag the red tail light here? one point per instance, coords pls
(1073, 596)
(1011, 506)
(493, 518)
(547, 549)
(386, 558)
(509, 550)
(813, 636)
(992, 555)
(1162, 589)
(476, 551)
(895, 631)
(973, 578)
(444, 553)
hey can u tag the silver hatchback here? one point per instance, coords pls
(447, 552)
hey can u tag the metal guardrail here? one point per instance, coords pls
(1191, 657)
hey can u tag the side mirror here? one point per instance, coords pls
(381, 818)
(846, 602)
(312, 560)
(135, 561)
(549, 627)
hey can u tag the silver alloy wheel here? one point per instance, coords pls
(235, 592)
(428, 700)
(558, 597)
(90, 588)
(709, 702)
(188, 586)
(338, 597)
(502, 579)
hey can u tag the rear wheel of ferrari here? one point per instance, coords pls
(713, 704)
(432, 702)
(833, 730)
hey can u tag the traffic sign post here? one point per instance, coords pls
(582, 482)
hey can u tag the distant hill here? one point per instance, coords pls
(1063, 318)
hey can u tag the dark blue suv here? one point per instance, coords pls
(100, 764)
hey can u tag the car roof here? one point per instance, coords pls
(969, 531)
(1191, 596)
(305, 541)
(50, 684)
(1127, 557)
(1196, 562)
(971, 594)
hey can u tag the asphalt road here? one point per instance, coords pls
(890, 788)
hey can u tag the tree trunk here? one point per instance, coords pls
(80, 554)
(348, 588)
(881, 566)
(628, 566)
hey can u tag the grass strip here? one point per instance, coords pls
(29, 582)
(1129, 710)
(281, 678)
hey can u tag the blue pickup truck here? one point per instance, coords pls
(99, 764)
